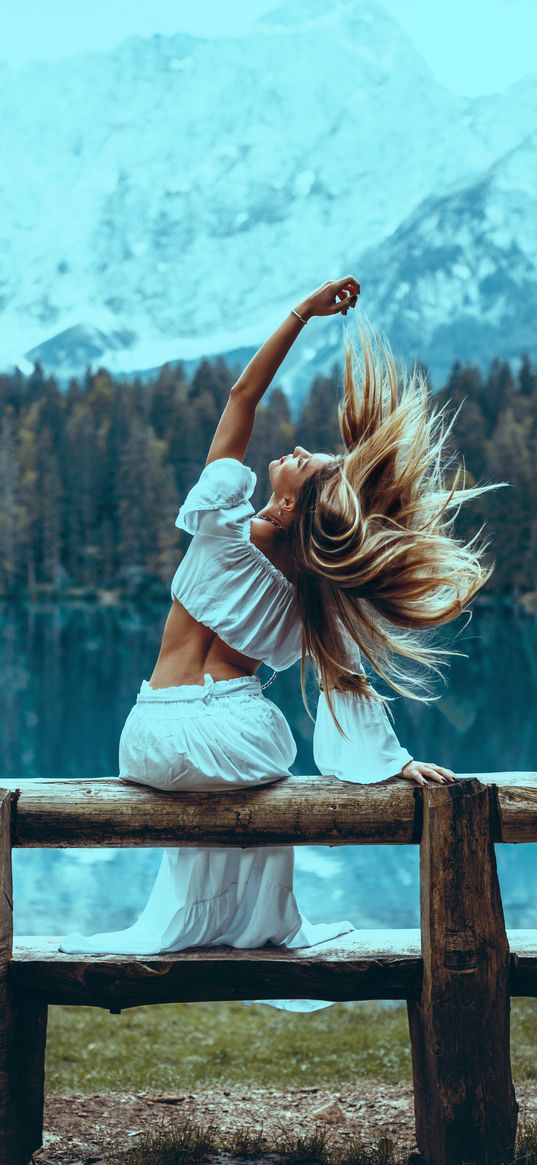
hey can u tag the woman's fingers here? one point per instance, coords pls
(346, 301)
(420, 773)
(353, 300)
(335, 295)
(350, 282)
(447, 772)
(414, 776)
(437, 773)
(434, 775)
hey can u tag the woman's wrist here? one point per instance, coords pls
(304, 309)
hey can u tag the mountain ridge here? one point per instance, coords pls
(148, 194)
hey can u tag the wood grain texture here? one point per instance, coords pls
(456, 975)
(23, 1024)
(299, 811)
(464, 1098)
(367, 964)
(364, 965)
(6, 942)
(27, 1071)
(517, 806)
(296, 811)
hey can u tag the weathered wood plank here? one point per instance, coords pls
(523, 976)
(464, 1098)
(29, 1027)
(367, 964)
(517, 806)
(23, 1025)
(39, 969)
(299, 811)
(6, 946)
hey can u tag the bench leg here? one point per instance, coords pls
(22, 1081)
(23, 1027)
(27, 1072)
(464, 1098)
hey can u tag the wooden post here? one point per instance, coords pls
(23, 1026)
(464, 1099)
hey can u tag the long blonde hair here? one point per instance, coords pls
(377, 563)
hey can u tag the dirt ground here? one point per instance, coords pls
(80, 1129)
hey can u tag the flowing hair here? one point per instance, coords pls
(377, 564)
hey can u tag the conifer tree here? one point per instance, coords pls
(317, 426)
(9, 487)
(91, 477)
(48, 503)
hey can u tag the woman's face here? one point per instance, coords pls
(288, 472)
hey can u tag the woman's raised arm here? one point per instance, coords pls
(236, 424)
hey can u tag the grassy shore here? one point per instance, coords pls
(196, 1045)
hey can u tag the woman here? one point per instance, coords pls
(351, 554)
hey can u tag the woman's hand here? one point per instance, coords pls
(331, 297)
(417, 770)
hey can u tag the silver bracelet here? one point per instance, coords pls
(295, 313)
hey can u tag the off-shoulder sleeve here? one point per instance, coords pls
(224, 485)
(372, 751)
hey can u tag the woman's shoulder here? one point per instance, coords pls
(224, 485)
(229, 477)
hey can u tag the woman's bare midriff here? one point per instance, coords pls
(189, 650)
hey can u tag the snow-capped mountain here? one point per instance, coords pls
(173, 198)
(458, 278)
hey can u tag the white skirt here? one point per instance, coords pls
(224, 734)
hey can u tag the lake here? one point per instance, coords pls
(69, 674)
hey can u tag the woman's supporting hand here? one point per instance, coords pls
(417, 770)
(336, 295)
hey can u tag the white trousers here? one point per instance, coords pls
(223, 735)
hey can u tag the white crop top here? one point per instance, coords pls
(225, 582)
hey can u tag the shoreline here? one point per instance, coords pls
(155, 594)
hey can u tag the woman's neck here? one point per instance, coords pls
(270, 513)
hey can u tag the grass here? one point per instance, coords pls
(197, 1045)
(189, 1143)
(186, 1146)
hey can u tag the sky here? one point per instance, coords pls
(472, 46)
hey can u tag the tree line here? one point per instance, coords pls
(92, 476)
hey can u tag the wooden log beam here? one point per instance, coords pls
(464, 1098)
(367, 964)
(299, 811)
(23, 1025)
(517, 811)
(523, 948)
(6, 946)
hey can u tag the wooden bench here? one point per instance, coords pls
(456, 973)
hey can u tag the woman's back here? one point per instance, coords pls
(233, 606)
(189, 649)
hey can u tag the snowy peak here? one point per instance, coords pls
(458, 279)
(150, 213)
